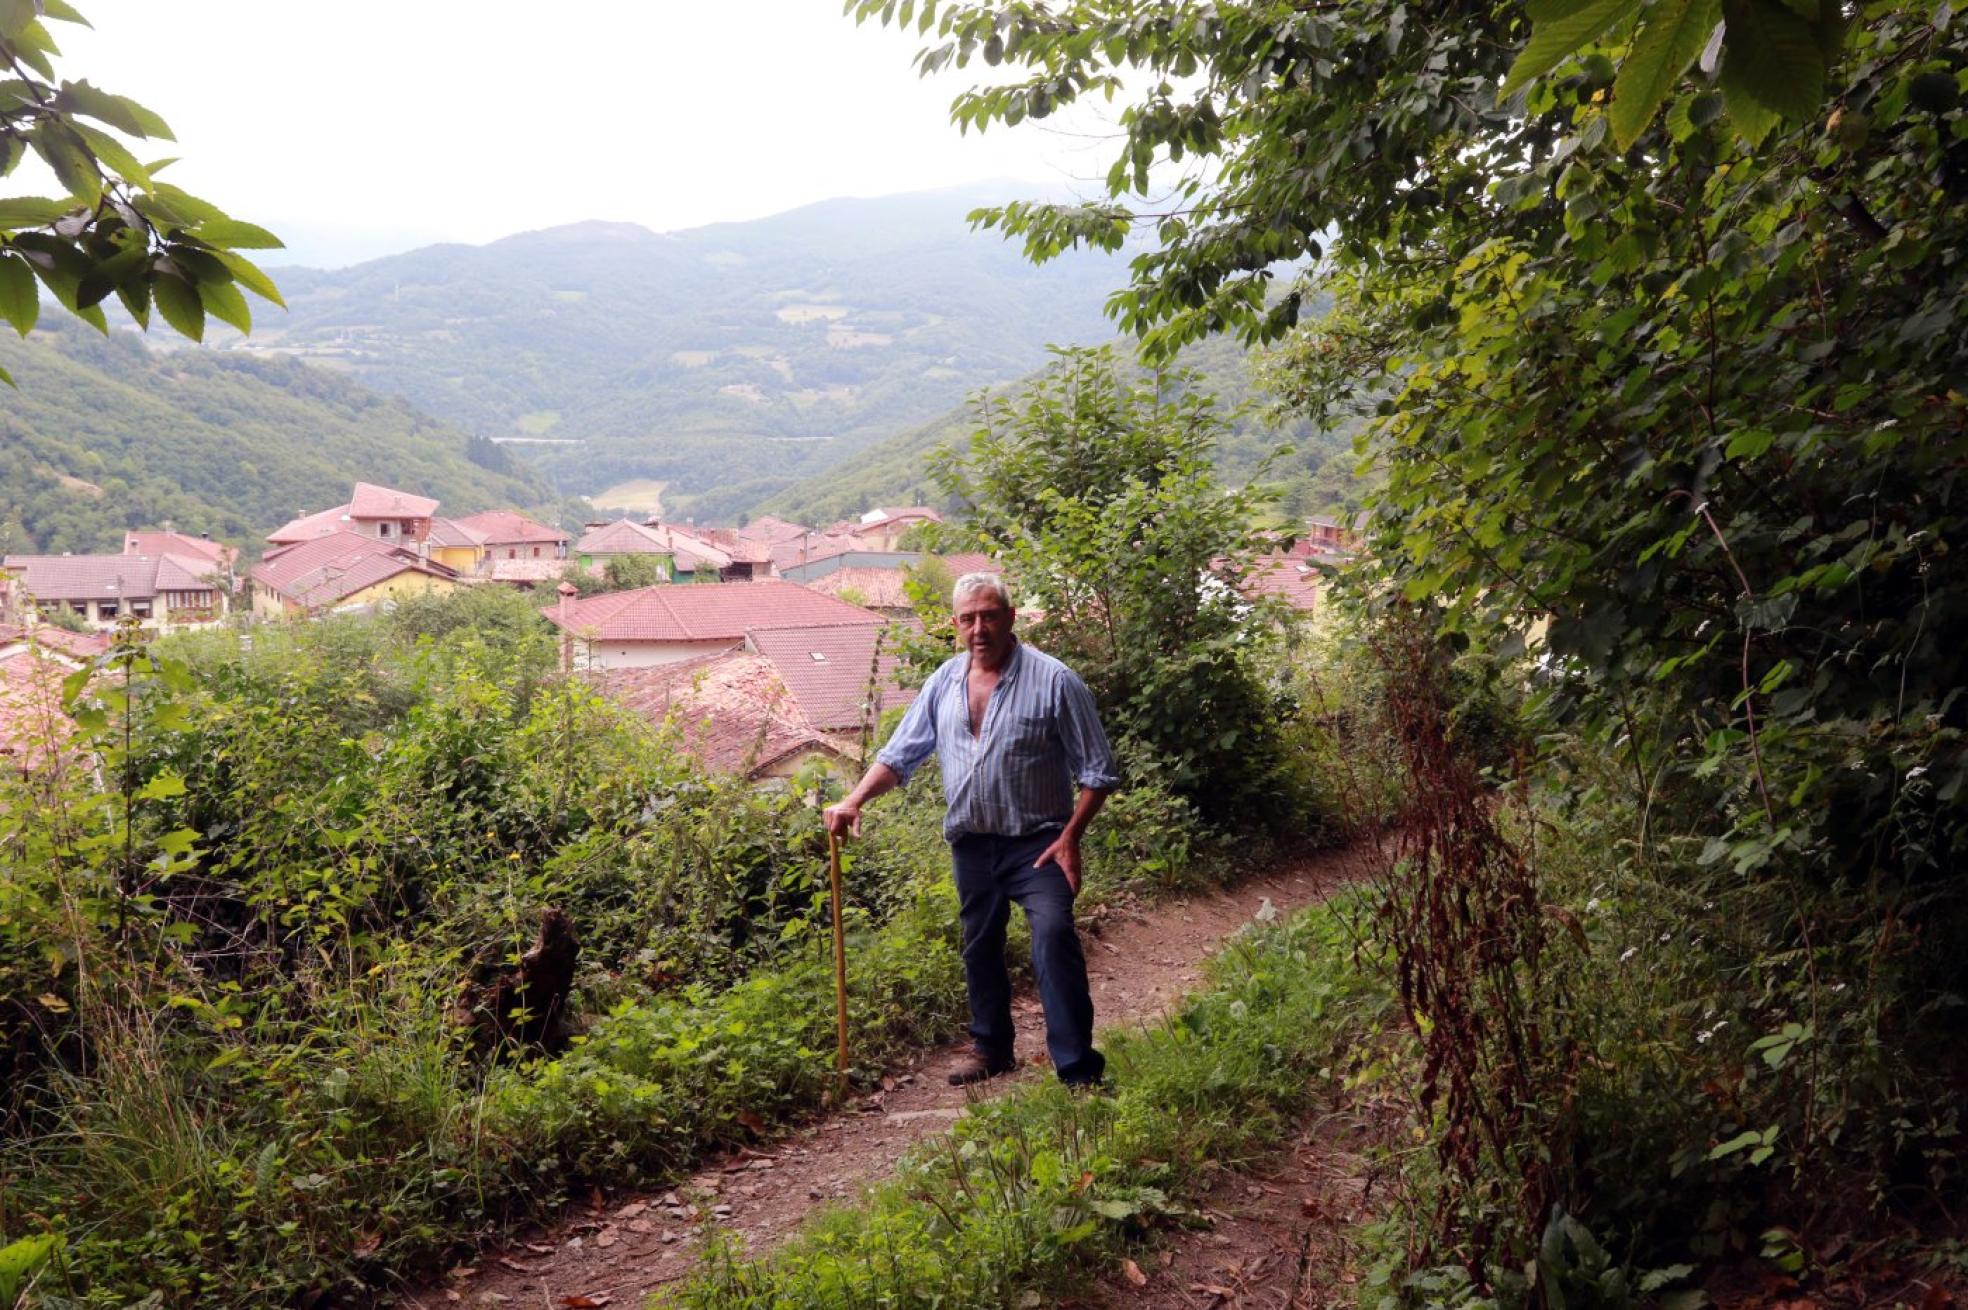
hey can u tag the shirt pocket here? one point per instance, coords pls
(1029, 737)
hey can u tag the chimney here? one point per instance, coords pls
(567, 591)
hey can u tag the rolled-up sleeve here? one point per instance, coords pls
(1087, 752)
(915, 737)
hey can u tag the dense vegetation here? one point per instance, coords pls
(1657, 341)
(105, 435)
(267, 1020)
(1097, 493)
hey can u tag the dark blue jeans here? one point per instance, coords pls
(992, 873)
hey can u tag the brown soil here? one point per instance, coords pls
(617, 1249)
(1272, 1235)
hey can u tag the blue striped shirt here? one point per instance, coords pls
(1041, 734)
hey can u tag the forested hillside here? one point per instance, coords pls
(1316, 476)
(107, 434)
(704, 357)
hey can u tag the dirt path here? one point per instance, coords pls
(622, 1247)
(1274, 1235)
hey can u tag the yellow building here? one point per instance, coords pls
(343, 571)
(455, 545)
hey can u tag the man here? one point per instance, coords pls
(1014, 730)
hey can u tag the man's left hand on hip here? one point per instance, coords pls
(1064, 852)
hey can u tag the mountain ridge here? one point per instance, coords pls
(706, 355)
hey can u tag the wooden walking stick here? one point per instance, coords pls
(840, 967)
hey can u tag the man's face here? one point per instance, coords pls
(984, 627)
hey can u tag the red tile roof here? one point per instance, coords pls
(772, 531)
(704, 611)
(60, 642)
(622, 537)
(875, 588)
(812, 546)
(102, 577)
(176, 573)
(732, 711)
(33, 725)
(453, 532)
(179, 544)
(741, 548)
(326, 570)
(502, 527)
(627, 537)
(373, 502)
(692, 552)
(968, 562)
(309, 526)
(74, 645)
(827, 670)
(1289, 577)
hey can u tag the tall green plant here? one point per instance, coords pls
(1097, 489)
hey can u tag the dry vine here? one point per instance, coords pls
(1460, 909)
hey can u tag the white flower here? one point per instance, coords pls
(1592, 905)
(1916, 771)
(1628, 953)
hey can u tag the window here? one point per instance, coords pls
(105, 610)
(140, 608)
(511, 553)
(536, 552)
(383, 529)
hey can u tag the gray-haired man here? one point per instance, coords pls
(1015, 730)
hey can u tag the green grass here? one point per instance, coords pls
(1032, 1190)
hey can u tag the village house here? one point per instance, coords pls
(680, 556)
(879, 579)
(343, 571)
(766, 709)
(883, 528)
(33, 663)
(1322, 535)
(199, 555)
(384, 513)
(509, 536)
(158, 591)
(1294, 579)
(768, 531)
(494, 544)
(33, 725)
(450, 543)
(665, 625)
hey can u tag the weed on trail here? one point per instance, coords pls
(1031, 1189)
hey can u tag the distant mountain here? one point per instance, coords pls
(108, 434)
(735, 353)
(1315, 477)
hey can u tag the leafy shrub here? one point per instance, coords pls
(232, 979)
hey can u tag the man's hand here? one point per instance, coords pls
(842, 820)
(1064, 852)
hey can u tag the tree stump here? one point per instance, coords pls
(528, 1005)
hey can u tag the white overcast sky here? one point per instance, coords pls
(369, 128)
